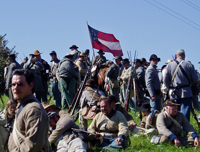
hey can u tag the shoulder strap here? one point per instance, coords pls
(186, 75)
(179, 64)
(101, 123)
(175, 122)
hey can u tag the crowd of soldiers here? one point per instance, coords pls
(106, 92)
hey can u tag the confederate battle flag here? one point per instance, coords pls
(104, 41)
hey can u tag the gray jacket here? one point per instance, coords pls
(152, 80)
(113, 71)
(12, 67)
(140, 72)
(54, 67)
(66, 69)
(180, 79)
(36, 68)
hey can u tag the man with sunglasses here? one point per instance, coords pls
(153, 83)
(30, 129)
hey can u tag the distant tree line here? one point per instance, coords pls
(4, 52)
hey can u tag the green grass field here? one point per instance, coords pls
(142, 143)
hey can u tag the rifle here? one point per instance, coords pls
(127, 97)
(129, 85)
(78, 94)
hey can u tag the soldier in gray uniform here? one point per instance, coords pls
(54, 82)
(36, 67)
(113, 74)
(118, 60)
(178, 83)
(74, 52)
(87, 57)
(99, 60)
(68, 80)
(140, 78)
(13, 66)
(153, 83)
(173, 126)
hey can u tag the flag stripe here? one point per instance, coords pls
(111, 45)
(107, 37)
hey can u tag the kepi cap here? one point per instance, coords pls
(52, 52)
(170, 102)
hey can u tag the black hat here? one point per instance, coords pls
(170, 102)
(112, 98)
(26, 58)
(145, 106)
(87, 51)
(73, 47)
(125, 60)
(52, 52)
(11, 56)
(153, 56)
(118, 57)
(100, 51)
(69, 56)
(90, 82)
(31, 55)
(137, 61)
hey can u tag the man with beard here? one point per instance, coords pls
(111, 125)
(30, 129)
(173, 126)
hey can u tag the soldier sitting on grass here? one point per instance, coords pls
(173, 126)
(149, 120)
(111, 126)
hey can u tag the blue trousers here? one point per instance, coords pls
(186, 104)
(110, 144)
(155, 105)
(56, 93)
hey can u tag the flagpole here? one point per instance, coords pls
(91, 41)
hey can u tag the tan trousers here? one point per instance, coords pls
(76, 145)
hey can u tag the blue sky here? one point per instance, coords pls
(149, 26)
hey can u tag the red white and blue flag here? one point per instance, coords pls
(104, 41)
